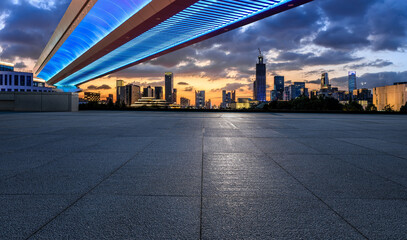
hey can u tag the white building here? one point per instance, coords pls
(12, 81)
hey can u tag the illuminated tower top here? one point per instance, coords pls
(261, 58)
(325, 81)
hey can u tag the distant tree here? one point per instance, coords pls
(304, 103)
(353, 106)
(371, 108)
(403, 109)
(388, 108)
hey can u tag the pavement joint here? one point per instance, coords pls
(86, 193)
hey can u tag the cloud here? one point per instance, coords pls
(188, 89)
(378, 63)
(233, 87)
(372, 80)
(183, 83)
(20, 65)
(28, 26)
(102, 87)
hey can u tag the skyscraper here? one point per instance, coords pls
(279, 87)
(185, 102)
(174, 95)
(352, 81)
(208, 104)
(132, 94)
(169, 83)
(226, 99)
(128, 94)
(325, 81)
(148, 92)
(119, 90)
(295, 90)
(199, 99)
(259, 86)
(159, 92)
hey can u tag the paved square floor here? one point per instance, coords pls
(167, 175)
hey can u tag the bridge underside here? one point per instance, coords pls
(97, 38)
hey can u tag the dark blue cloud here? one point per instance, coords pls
(27, 28)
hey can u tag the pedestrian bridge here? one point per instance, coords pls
(98, 37)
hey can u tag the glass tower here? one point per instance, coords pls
(325, 81)
(279, 87)
(260, 82)
(352, 81)
(169, 83)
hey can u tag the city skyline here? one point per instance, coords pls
(298, 44)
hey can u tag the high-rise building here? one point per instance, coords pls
(325, 81)
(158, 92)
(227, 98)
(259, 86)
(274, 95)
(234, 96)
(295, 90)
(352, 81)
(109, 98)
(279, 87)
(208, 104)
(199, 99)
(174, 95)
(185, 102)
(148, 92)
(169, 83)
(119, 91)
(128, 94)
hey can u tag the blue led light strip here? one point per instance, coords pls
(103, 18)
(199, 19)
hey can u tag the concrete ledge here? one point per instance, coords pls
(39, 102)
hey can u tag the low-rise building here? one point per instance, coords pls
(92, 97)
(185, 102)
(14, 81)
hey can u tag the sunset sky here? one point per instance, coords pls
(367, 36)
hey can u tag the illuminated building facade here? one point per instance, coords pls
(12, 81)
(169, 84)
(394, 96)
(295, 90)
(325, 81)
(92, 97)
(278, 88)
(89, 43)
(199, 99)
(259, 85)
(352, 81)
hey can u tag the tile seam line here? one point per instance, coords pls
(86, 193)
(202, 172)
(366, 170)
(316, 196)
(368, 148)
